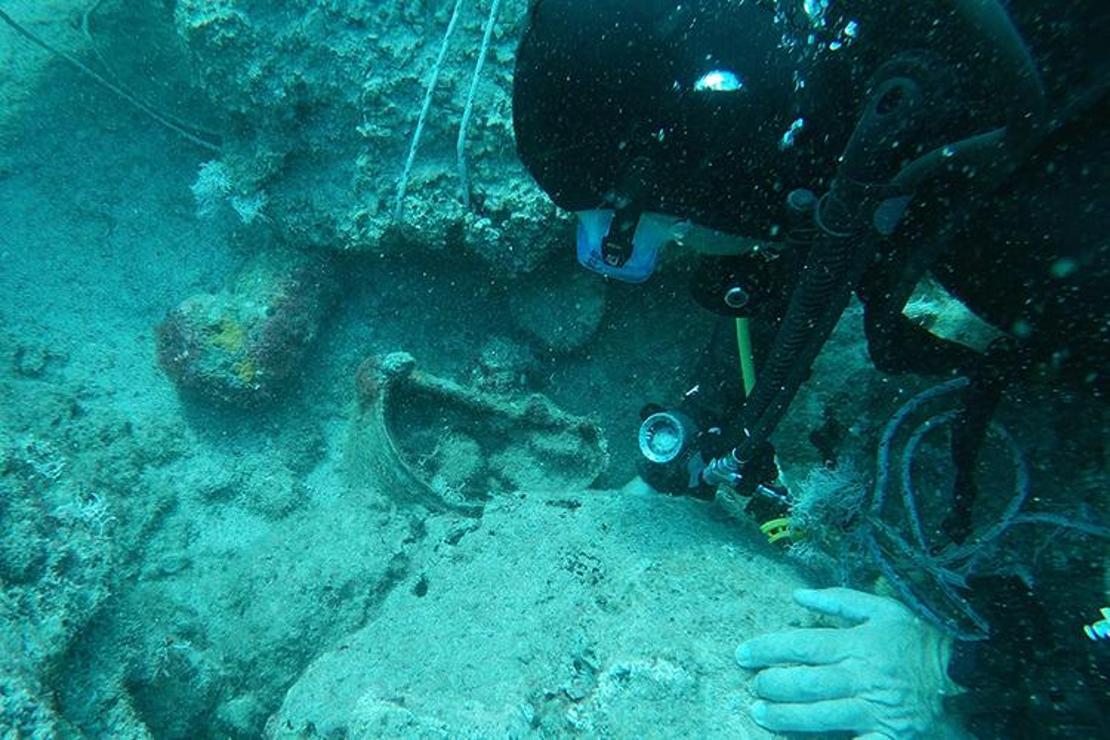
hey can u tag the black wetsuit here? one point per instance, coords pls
(1030, 254)
(1031, 257)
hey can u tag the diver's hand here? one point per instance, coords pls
(882, 678)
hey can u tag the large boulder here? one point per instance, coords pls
(610, 613)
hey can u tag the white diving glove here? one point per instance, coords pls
(884, 677)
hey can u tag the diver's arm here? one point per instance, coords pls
(887, 673)
(895, 343)
(883, 675)
(1038, 670)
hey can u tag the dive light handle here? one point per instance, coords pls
(755, 476)
(723, 471)
(757, 482)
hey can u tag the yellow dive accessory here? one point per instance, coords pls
(777, 530)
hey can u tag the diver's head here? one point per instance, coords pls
(648, 117)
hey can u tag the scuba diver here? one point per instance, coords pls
(809, 151)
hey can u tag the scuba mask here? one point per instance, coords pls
(622, 245)
(625, 244)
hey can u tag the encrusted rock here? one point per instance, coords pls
(242, 346)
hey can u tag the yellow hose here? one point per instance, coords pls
(747, 362)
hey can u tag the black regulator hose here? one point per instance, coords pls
(825, 285)
(896, 113)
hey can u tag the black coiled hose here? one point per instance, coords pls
(897, 112)
(825, 285)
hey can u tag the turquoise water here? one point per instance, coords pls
(309, 430)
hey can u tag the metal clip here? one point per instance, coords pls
(722, 471)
